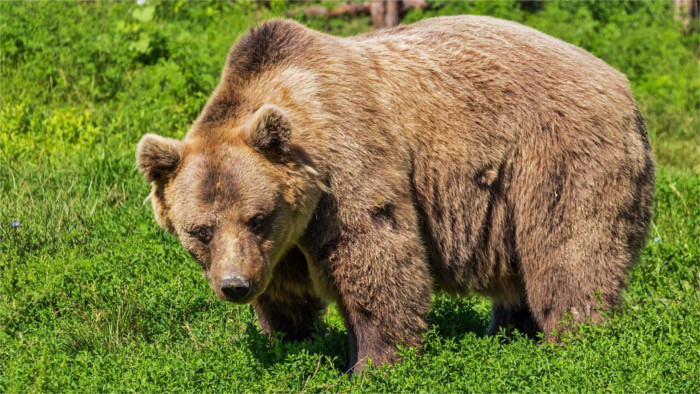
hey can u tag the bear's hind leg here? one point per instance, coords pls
(580, 219)
(512, 318)
(560, 300)
(574, 283)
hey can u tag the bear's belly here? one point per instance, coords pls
(467, 228)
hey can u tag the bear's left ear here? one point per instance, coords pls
(269, 130)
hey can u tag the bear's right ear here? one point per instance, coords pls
(158, 157)
(269, 130)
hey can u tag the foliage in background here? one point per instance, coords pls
(96, 298)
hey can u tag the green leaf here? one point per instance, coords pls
(144, 14)
(142, 45)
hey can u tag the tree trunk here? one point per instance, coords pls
(684, 10)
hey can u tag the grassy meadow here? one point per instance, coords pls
(94, 297)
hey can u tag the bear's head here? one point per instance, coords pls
(237, 199)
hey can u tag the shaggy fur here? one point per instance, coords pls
(467, 154)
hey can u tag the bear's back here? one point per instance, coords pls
(494, 76)
(516, 46)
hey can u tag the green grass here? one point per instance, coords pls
(95, 297)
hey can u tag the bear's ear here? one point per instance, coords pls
(158, 157)
(269, 130)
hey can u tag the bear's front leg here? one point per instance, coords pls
(289, 305)
(377, 268)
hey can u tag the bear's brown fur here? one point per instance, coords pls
(468, 154)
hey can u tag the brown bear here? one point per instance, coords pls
(464, 154)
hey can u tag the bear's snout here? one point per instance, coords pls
(235, 288)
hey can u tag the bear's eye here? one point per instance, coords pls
(256, 223)
(202, 233)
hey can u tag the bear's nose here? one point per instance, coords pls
(235, 288)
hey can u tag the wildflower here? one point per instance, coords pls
(14, 224)
(140, 2)
(657, 239)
